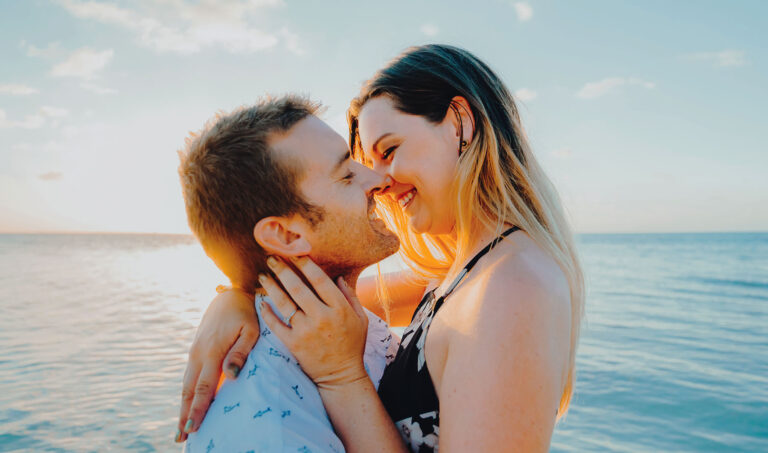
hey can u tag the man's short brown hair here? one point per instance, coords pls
(231, 179)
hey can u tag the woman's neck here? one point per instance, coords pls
(480, 239)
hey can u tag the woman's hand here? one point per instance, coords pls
(326, 328)
(326, 332)
(227, 333)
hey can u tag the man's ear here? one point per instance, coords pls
(281, 236)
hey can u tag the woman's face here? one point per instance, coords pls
(419, 156)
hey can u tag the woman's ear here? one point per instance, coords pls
(462, 118)
(281, 236)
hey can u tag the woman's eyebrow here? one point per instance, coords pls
(382, 137)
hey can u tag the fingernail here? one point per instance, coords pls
(271, 261)
(188, 426)
(177, 439)
(262, 277)
(234, 369)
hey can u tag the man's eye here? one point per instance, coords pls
(388, 152)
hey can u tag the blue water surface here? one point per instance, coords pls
(94, 331)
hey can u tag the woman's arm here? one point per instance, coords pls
(404, 291)
(229, 330)
(227, 333)
(360, 419)
(504, 375)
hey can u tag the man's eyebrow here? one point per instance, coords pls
(382, 137)
(340, 162)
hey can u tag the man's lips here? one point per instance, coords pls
(372, 209)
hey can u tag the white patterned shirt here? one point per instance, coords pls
(273, 406)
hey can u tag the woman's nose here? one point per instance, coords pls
(382, 185)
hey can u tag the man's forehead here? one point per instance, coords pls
(312, 144)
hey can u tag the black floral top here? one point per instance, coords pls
(406, 388)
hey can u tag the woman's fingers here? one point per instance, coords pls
(323, 285)
(351, 297)
(298, 291)
(237, 356)
(187, 395)
(204, 391)
(274, 323)
(284, 304)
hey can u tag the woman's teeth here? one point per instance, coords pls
(407, 198)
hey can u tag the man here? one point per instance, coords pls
(273, 179)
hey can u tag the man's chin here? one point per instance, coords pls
(390, 242)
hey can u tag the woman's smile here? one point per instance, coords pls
(405, 199)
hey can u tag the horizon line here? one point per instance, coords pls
(189, 234)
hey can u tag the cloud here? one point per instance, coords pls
(36, 120)
(525, 95)
(83, 63)
(98, 89)
(29, 122)
(524, 11)
(429, 29)
(50, 176)
(185, 28)
(53, 112)
(292, 42)
(596, 89)
(50, 51)
(18, 90)
(724, 58)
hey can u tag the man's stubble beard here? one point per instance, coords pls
(345, 247)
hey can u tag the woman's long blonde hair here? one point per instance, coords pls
(498, 181)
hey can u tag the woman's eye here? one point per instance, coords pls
(349, 177)
(388, 152)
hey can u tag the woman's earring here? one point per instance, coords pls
(462, 146)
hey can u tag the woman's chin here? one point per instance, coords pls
(418, 226)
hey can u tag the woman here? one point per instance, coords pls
(487, 362)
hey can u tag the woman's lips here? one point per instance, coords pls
(406, 198)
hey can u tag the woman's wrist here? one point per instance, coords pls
(360, 418)
(343, 379)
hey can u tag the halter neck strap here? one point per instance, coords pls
(475, 259)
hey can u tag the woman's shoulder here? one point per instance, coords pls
(517, 278)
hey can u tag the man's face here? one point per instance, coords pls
(349, 237)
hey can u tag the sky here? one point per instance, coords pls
(647, 115)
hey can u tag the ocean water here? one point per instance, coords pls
(94, 331)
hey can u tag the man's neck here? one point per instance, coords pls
(351, 279)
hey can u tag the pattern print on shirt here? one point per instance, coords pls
(275, 406)
(261, 413)
(275, 353)
(252, 371)
(296, 391)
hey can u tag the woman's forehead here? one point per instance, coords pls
(378, 116)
